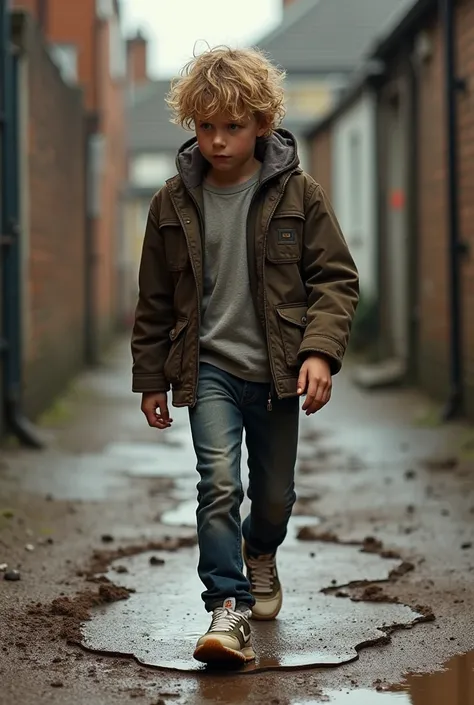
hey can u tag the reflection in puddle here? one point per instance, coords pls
(453, 686)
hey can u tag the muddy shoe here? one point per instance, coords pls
(228, 639)
(262, 575)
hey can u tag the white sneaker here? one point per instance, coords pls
(228, 638)
(265, 585)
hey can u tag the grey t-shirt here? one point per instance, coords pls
(231, 334)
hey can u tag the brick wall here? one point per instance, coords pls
(72, 23)
(112, 126)
(54, 345)
(433, 331)
(76, 23)
(321, 159)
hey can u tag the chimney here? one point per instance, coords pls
(137, 67)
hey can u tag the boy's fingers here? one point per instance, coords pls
(302, 381)
(159, 420)
(163, 406)
(165, 414)
(315, 401)
(310, 394)
(151, 417)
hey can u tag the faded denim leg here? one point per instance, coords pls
(217, 427)
(272, 440)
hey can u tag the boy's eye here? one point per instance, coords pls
(234, 127)
(205, 126)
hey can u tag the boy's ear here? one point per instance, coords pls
(263, 126)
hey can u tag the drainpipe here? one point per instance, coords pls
(20, 426)
(456, 248)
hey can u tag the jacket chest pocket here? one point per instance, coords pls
(285, 238)
(176, 249)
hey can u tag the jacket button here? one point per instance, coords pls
(173, 332)
(187, 221)
(304, 320)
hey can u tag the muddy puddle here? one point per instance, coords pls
(155, 625)
(452, 686)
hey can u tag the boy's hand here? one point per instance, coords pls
(315, 381)
(151, 401)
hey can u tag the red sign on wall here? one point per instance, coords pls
(397, 199)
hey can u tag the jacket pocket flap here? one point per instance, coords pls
(180, 325)
(289, 214)
(295, 314)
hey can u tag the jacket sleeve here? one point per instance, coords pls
(154, 315)
(331, 281)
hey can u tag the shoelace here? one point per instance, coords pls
(262, 572)
(225, 620)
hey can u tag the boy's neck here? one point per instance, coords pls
(235, 177)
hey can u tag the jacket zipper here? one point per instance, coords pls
(275, 206)
(193, 266)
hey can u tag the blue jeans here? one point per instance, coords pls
(226, 405)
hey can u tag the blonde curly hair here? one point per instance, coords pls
(235, 82)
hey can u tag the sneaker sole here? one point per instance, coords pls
(215, 652)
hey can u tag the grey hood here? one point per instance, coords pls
(277, 152)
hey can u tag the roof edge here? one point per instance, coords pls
(372, 67)
(291, 14)
(388, 40)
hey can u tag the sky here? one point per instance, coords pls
(174, 26)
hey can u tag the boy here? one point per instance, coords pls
(247, 294)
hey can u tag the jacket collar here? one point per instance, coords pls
(277, 152)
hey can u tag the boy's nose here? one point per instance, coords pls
(219, 141)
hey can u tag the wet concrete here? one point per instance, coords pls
(108, 486)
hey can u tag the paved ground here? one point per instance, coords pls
(378, 566)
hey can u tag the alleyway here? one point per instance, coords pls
(378, 567)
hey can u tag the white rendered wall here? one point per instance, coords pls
(354, 185)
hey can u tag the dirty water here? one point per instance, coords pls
(160, 623)
(452, 686)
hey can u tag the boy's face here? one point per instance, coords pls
(225, 143)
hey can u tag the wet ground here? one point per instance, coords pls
(378, 567)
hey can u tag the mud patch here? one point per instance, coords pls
(77, 610)
(101, 560)
(366, 590)
(367, 545)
